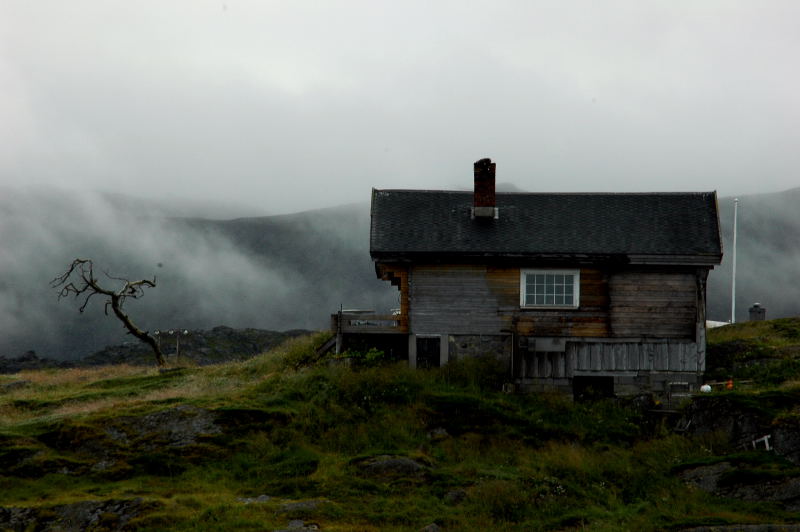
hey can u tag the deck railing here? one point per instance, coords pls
(368, 322)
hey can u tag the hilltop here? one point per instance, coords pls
(287, 440)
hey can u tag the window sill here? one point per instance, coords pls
(549, 307)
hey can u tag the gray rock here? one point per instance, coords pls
(786, 439)
(433, 527)
(250, 500)
(300, 507)
(391, 466)
(455, 496)
(438, 434)
(706, 477)
(296, 525)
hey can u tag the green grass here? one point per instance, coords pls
(295, 428)
(766, 352)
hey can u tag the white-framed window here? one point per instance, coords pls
(549, 288)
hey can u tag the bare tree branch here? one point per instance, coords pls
(79, 281)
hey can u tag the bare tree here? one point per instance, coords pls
(79, 280)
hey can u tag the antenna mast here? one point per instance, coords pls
(733, 274)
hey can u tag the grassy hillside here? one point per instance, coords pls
(766, 352)
(286, 440)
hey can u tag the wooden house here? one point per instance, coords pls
(571, 289)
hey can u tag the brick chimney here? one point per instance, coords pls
(484, 198)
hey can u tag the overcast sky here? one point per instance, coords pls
(294, 105)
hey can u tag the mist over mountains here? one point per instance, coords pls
(272, 272)
(278, 273)
(768, 257)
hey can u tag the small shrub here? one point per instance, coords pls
(504, 501)
(295, 462)
(485, 373)
(369, 358)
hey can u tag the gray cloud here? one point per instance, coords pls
(287, 106)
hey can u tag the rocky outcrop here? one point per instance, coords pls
(160, 442)
(786, 438)
(725, 479)
(110, 515)
(28, 361)
(739, 421)
(745, 420)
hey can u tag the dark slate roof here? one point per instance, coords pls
(684, 226)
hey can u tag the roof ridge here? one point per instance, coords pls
(651, 193)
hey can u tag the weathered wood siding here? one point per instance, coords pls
(475, 299)
(587, 358)
(470, 299)
(458, 299)
(653, 304)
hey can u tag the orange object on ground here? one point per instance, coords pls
(729, 384)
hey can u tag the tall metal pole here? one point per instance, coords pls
(733, 274)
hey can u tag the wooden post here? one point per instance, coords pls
(339, 331)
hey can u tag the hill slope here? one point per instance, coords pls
(281, 441)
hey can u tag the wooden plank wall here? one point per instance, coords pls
(456, 299)
(474, 299)
(603, 357)
(654, 304)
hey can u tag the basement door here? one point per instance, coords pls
(428, 349)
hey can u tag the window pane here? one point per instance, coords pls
(559, 289)
(549, 299)
(539, 278)
(539, 299)
(568, 300)
(568, 289)
(549, 278)
(558, 279)
(549, 289)
(559, 299)
(529, 299)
